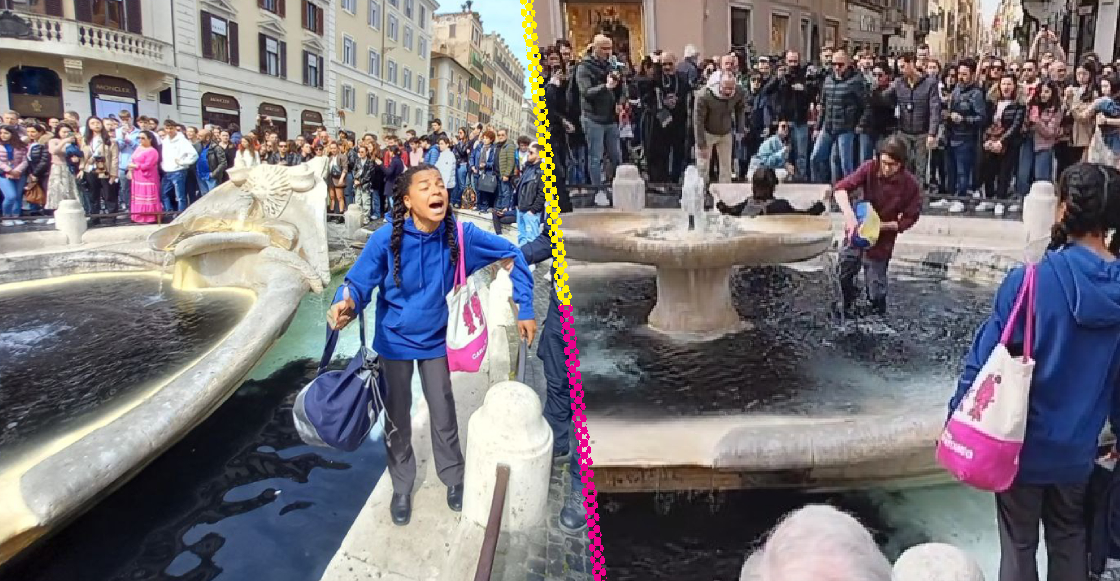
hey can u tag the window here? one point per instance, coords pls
(350, 6)
(371, 104)
(476, 36)
(374, 64)
(404, 113)
(740, 27)
(375, 14)
(408, 38)
(406, 78)
(270, 5)
(313, 70)
(395, 3)
(393, 27)
(349, 51)
(451, 97)
(392, 72)
(348, 99)
(312, 17)
(423, 18)
(451, 31)
(408, 8)
(273, 56)
(219, 39)
(421, 86)
(117, 14)
(419, 117)
(390, 107)
(422, 48)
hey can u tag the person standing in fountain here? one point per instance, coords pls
(411, 264)
(893, 193)
(1073, 389)
(764, 182)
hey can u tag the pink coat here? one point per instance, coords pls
(18, 163)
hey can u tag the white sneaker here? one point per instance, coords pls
(1000, 209)
(985, 206)
(19, 222)
(976, 195)
(940, 204)
(1014, 208)
(7, 223)
(956, 207)
(50, 221)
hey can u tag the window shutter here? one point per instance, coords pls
(83, 10)
(303, 14)
(281, 9)
(303, 65)
(54, 8)
(133, 16)
(207, 40)
(234, 44)
(262, 43)
(283, 60)
(319, 18)
(320, 80)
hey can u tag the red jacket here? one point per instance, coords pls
(896, 198)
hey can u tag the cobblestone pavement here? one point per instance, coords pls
(546, 554)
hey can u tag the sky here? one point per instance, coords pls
(987, 10)
(503, 17)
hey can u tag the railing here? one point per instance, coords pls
(116, 45)
(493, 526)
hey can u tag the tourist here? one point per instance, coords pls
(176, 156)
(445, 162)
(719, 116)
(99, 169)
(144, 179)
(600, 92)
(843, 98)
(462, 149)
(373, 180)
(248, 152)
(484, 163)
(1044, 116)
(964, 127)
(531, 198)
(506, 156)
(764, 182)
(793, 93)
(394, 168)
(892, 191)
(1001, 142)
(61, 185)
(339, 170)
(774, 154)
(126, 136)
(1073, 388)
(13, 174)
(306, 152)
(38, 169)
(421, 246)
(415, 152)
(880, 120)
(818, 543)
(212, 159)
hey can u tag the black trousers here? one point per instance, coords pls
(558, 395)
(435, 380)
(1066, 155)
(102, 196)
(1061, 510)
(998, 169)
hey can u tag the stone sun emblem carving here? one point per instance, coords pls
(269, 189)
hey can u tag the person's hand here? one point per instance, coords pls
(528, 330)
(851, 224)
(507, 263)
(859, 130)
(131, 166)
(702, 153)
(792, 171)
(798, 87)
(997, 147)
(931, 142)
(612, 81)
(505, 178)
(15, 174)
(889, 226)
(1101, 119)
(956, 117)
(568, 127)
(342, 312)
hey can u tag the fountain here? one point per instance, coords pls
(694, 256)
(258, 239)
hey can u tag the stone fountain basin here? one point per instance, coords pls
(52, 482)
(608, 236)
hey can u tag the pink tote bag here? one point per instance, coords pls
(466, 323)
(980, 445)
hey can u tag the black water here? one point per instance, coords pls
(68, 349)
(796, 360)
(241, 498)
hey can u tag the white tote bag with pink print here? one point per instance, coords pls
(466, 323)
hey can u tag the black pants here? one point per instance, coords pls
(1061, 510)
(1066, 155)
(657, 152)
(102, 196)
(435, 380)
(998, 170)
(852, 260)
(558, 396)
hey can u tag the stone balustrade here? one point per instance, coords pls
(82, 39)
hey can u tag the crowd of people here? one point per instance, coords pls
(979, 130)
(142, 169)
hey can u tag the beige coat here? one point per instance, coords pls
(109, 154)
(1083, 128)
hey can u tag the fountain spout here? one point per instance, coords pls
(692, 198)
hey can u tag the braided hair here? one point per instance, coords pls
(1091, 195)
(400, 213)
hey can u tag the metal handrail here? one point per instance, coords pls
(493, 525)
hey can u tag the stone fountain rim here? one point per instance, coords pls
(61, 485)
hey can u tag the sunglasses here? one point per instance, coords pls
(838, 65)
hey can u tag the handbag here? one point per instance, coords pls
(466, 323)
(663, 116)
(469, 199)
(338, 408)
(981, 443)
(33, 194)
(488, 183)
(1100, 152)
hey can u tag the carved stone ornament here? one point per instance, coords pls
(12, 26)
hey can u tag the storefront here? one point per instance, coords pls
(35, 92)
(221, 110)
(273, 118)
(111, 95)
(310, 122)
(622, 21)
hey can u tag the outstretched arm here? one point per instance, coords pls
(481, 249)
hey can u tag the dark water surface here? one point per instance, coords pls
(240, 498)
(68, 349)
(796, 359)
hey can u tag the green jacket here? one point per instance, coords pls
(507, 160)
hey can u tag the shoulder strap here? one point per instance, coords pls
(332, 337)
(1025, 299)
(461, 267)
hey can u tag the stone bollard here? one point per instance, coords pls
(353, 217)
(1038, 211)
(936, 562)
(70, 219)
(508, 429)
(629, 189)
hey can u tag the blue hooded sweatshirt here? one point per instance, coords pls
(411, 320)
(1077, 356)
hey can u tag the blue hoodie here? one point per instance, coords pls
(1077, 356)
(411, 322)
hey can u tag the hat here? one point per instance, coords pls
(867, 231)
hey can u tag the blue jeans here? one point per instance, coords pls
(577, 165)
(205, 185)
(374, 204)
(867, 144)
(799, 134)
(505, 196)
(176, 182)
(822, 154)
(349, 188)
(12, 193)
(1025, 170)
(601, 135)
(1044, 165)
(963, 155)
(528, 227)
(124, 194)
(460, 184)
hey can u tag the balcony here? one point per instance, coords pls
(389, 121)
(73, 39)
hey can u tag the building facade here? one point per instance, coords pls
(713, 26)
(953, 28)
(87, 57)
(381, 61)
(509, 82)
(459, 35)
(449, 82)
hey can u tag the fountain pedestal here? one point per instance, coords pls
(695, 303)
